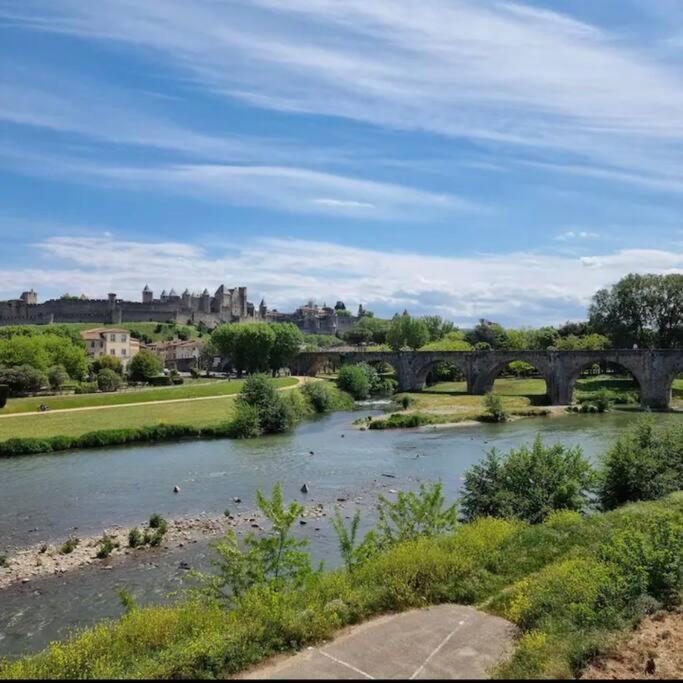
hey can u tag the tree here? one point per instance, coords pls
(646, 310)
(108, 380)
(143, 366)
(57, 376)
(358, 334)
(437, 327)
(246, 345)
(22, 379)
(407, 331)
(274, 414)
(287, 342)
(489, 333)
(453, 341)
(107, 362)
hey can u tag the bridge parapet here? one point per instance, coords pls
(654, 370)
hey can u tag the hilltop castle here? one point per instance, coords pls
(225, 306)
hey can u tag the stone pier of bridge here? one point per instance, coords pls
(653, 370)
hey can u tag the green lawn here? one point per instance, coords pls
(190, 390)
(166, 332)
(195, 413)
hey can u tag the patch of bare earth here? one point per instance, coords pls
(653, 651)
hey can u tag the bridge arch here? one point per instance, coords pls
(423, 367)
(488, 373)
(580, 364)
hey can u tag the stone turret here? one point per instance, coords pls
(147, 295)
(29, 297)
(164, 297)
(187, 299)
(262, 309)
(205, 302)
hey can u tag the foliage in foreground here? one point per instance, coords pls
(528, 483)
(567, 583)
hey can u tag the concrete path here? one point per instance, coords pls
(446, 641)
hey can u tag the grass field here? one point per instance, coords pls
(193, 389)
(155, 331)
(195, 413)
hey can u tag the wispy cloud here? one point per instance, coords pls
(504, 74)
(577, 235)
(516, 288)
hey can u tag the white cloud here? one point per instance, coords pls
(516, 288)
(500, 73)
(577, 235)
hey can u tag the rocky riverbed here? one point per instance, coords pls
(46, 559)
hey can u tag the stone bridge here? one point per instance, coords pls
(653, 370)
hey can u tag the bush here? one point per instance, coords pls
(57, 377)
(69, 546)
(320, 395)
(245, 424)
(106, 546)
(528, 483)
(107, 362)
(22, 379)
(143, 366)
(160, 381)
(108, 380)
(403, 421)
(407, 401)
(86, 388)
(134, 538)
(494, 406)
(178, 380)
(274, 413)
(644, 464)
(354, 380)
(4, 393)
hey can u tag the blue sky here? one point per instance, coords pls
(468, 158)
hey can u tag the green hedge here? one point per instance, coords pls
(113, 437)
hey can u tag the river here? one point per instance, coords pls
(48, 497)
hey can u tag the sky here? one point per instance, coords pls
(466, 158)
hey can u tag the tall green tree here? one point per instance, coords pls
(406, 331)
(646, 310)
(143, 366)
(287, 342)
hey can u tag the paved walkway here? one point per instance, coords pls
(51, 411)
(446, 641)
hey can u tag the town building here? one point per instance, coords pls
(177, 354)
(110, 341)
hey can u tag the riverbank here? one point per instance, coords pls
(204, 417)
(44, 559)
(551, 579)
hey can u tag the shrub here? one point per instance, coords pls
(3, 561)
(156, 521)
(108, 380)
(86, 388)
(403, 421)
(262, 400)
(134, 538)
(144, 366)
(528, 483)
(246, 423)
(4, 393)
(160, 381)
(22, 379)
(644, 464)
(69, 546)
(354, 380)
(57, 377)
(494, 406)
(106, 546)
(177, 380)
(320, 395)
(407, 401)
(108, 362)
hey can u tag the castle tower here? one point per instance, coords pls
(262, 309)
(242, 302)
(187, 299)
(147, 295)
(205, 302)
(164, 297)
(29, 297)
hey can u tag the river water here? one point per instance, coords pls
(47, 498)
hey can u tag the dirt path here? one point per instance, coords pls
(446, 641)
(299, 382)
